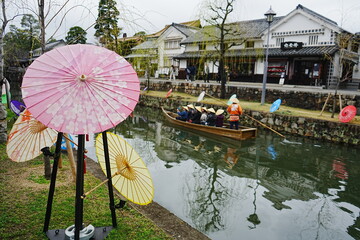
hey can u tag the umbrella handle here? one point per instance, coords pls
(102, 183)
(67, 138)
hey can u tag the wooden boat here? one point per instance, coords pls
(241, 134)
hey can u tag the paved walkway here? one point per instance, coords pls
(268, 86)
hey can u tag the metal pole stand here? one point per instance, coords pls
(78, 230)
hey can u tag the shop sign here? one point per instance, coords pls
(291, 45)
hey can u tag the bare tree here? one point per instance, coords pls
(4, 22)
(344, 60)
(227, 35)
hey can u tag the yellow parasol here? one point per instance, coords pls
(130, 175)
(27, 137)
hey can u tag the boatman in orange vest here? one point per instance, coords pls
(235, 111)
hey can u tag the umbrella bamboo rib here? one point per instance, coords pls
(88, 91)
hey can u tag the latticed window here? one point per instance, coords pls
(249, 44)
(313, 39)
(279, 41)
(172, 44)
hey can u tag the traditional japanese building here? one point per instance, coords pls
(158, 52)
(304, 47)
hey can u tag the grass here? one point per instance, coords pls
(23, 198)
(255, 106)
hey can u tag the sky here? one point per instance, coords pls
(152, 16)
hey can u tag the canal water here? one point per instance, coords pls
(263, 188)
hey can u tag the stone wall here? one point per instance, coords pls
(286, 125)
(290, 97)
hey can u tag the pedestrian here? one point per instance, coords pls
(172, 72)
(219, 118)
(192, 72)
(188, 72)
(207, 73)
(235, 111)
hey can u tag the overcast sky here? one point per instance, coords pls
(152, 16)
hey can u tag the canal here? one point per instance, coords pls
(263, 188)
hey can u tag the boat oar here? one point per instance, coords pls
(264, 125)
(253, 119)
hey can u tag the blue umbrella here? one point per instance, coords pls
(63, 143)
(275, 106)
(230, 102)
(17, 107)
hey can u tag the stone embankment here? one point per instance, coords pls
(299, 126)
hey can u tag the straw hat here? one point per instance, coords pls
(191, 106)
(186, 108)
(234, 100)
(204, 108)
(219, 111)
(211, 110)
(198, 108)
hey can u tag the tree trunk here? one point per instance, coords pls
(2, 110)
(334, 102)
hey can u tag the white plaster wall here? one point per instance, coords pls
(192, 48)
(300, 22)
(182, 63)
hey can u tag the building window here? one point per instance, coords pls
(279, 41)
(202, 46)
(249, 44)
(313, 39)
(172, 44)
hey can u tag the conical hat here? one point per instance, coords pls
(211, 110)
(191, 106)
(234, 100)
(219, 111)
(198, 108)
(186, 108)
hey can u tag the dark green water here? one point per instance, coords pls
(265, 188)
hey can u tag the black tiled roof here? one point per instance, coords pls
(273, 52)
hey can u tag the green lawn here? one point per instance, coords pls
(23, 198)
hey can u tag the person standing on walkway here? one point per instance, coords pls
(172, 72)
(207, 73)
(188, 72)
(235, 111)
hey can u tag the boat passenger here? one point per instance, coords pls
(235, 111)
(191, 111)
(211, 117)
(219, 118)
(182, 112)
(196, 117)
(204, 116)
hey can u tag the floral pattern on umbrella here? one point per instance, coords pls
(27, 137)
(80, 89)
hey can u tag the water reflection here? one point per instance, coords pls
(265, 188)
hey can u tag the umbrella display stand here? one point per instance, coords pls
(79, 231)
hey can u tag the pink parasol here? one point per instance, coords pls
(80, 89)
(347, 114)
(168, 93)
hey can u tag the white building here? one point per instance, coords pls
(160, 48)
(304, 46)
